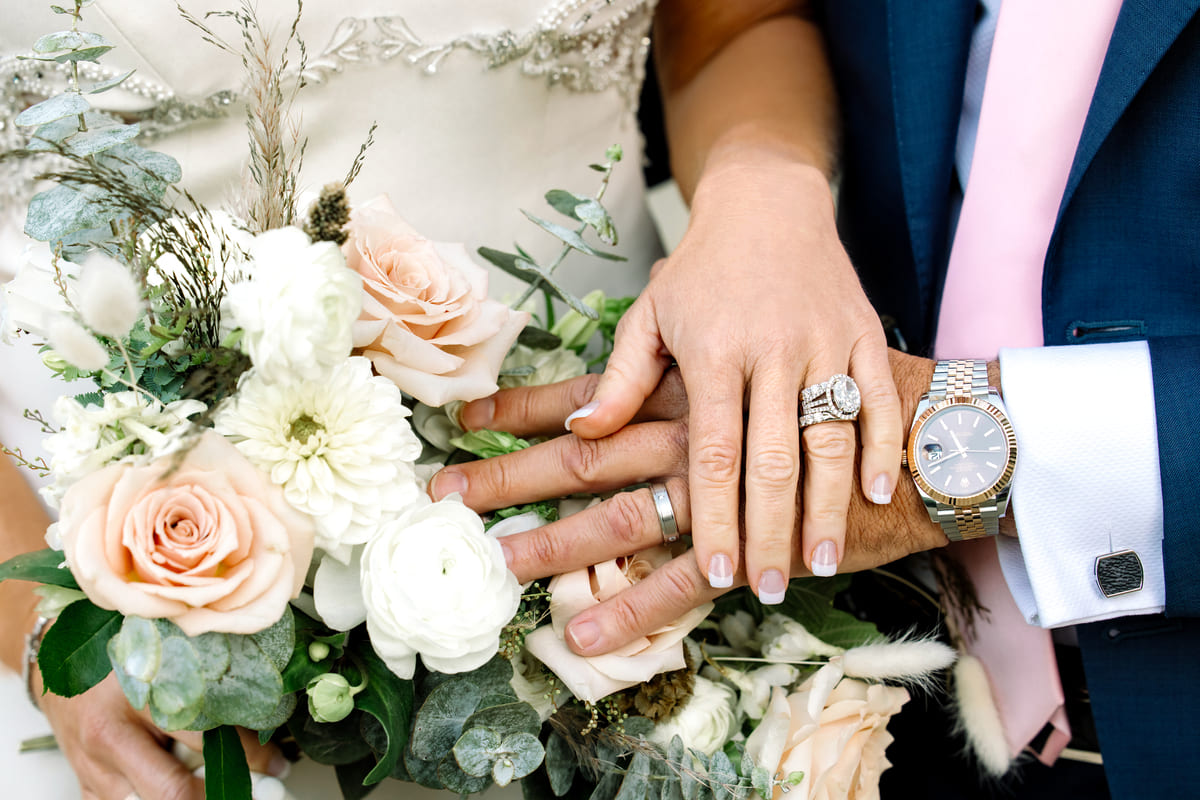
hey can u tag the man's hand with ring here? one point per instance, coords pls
(653, 449)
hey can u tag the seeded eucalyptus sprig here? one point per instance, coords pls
(589, 213)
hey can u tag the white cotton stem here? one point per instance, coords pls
(906, 661)
(978, 716)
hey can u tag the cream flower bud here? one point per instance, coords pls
(110, 300)
(330, 697)
(76, 345)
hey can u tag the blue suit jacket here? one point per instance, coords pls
(1123, 263)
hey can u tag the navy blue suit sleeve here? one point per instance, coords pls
(1175, 362)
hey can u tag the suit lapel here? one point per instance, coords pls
(928, 45)
(1145, 29)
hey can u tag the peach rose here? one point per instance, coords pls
(209, 544)
(427, 323)
(840, 748)
(596, 677)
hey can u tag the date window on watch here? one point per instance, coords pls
(931, 452)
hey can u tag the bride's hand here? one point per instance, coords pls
(758, 302)
(656, 449)
(117, 753)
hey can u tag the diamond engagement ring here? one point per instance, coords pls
(666, 512)
(835, 399)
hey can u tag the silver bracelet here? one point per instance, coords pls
(33, 643)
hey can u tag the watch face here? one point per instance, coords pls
(962, 451)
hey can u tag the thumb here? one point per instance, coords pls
(634, 369)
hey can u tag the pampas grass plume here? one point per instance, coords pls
(978, 717)
(911, 661)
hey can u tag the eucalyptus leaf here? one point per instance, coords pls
(538, 339)
(638, 726)
(278, 641)
(571, 238)
(177, 689)
(86, 54)
(73, 656)
(53, 135)
(525, 751)
(389, 699)
(440, 720)
(329, 743)
(519, 267)
(250, 688)
(476, 750)
(68, 40)
(584, 209)
(507, 719)
(41, 566)
(214, 654)
(453, 778)
(607, 787)
(67, 104)
(279, 716)
(722, 776)
(560, 764)
(636, 785)
(62, 210)
(136, 650)
(226, 773)
(503, 772)
(111, 83)
(85, 143)
(423, 771)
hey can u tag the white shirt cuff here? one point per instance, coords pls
(1086, 482)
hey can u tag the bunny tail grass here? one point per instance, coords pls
(909, 661)
(978, 716)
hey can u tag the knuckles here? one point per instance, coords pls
(716, 462)
(829, 442)
(774, 469)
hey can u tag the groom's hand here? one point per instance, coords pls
(654, 447)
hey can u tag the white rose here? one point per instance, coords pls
(298, 306)
(549, 366)
(706, 722)
(435, 583)
(31, 301)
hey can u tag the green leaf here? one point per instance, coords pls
(503, 772)
(809, 601)
(74, 654)
(475, 751)
(136, 650)
(560, 764)
(440, 720)
(90, 141)
(301, 668)
(518, 266)
(68, 40)
(68, 104)
(587, 210)
(226, 773)
(178, 687)
(571, 238)
(606, 789)
(250, 688)
(62, 210)
(538, 339)
(214, 654)
(278, 641)
(87, 54)
(111, 83)
(636, 785)
(489, 444)
(423, 771)
(330, 743)
(722, 776)
(40, 566)
(388, 699)
(511, 718)
(451, 775)
(350, 778)
(524, 751)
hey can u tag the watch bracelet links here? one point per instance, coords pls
(964, 378)
(33, 643)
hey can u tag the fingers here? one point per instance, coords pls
(828, 483)
(155, 773)
(623, 524)
(530, 410)
(568, 465)
(880, 423)
(657, 600)
(714, 468)
(772, 474)
(637, 363)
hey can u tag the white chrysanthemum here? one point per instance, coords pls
(92, 437)
(706, 722)
(298, 306)
(341, 448)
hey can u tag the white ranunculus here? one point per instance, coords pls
(706, 722)
(31, 301)
(340, 446)
(754, 687)
(297, 307)
(127, 424)
(436, 584)
(786, 640)
(438, 426)
(549, 366)
(110, 300)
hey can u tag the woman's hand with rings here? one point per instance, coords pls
(758, 302)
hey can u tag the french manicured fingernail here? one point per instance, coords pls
(584, 635)
(477, 414)
(824, 559)
(580, 413)
(720, 571)
(508, 554)
(881, 490)
(279, 767)
(448, 482)
(771, 587)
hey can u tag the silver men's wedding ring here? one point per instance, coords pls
(666, 513)
(835, 399)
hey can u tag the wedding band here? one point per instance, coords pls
(666, 513)
(835, 399)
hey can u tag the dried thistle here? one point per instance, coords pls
(329, 215)
(659, 698)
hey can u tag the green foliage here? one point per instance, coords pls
(489, 444)
(389, 700)
(41, 566)
(73, 656)
(226, 773)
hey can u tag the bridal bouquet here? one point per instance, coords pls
(244, 536)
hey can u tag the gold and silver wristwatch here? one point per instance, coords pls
(962, 451)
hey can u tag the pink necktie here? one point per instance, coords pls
(1045, 62)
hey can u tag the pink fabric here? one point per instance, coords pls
(1045, 62)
